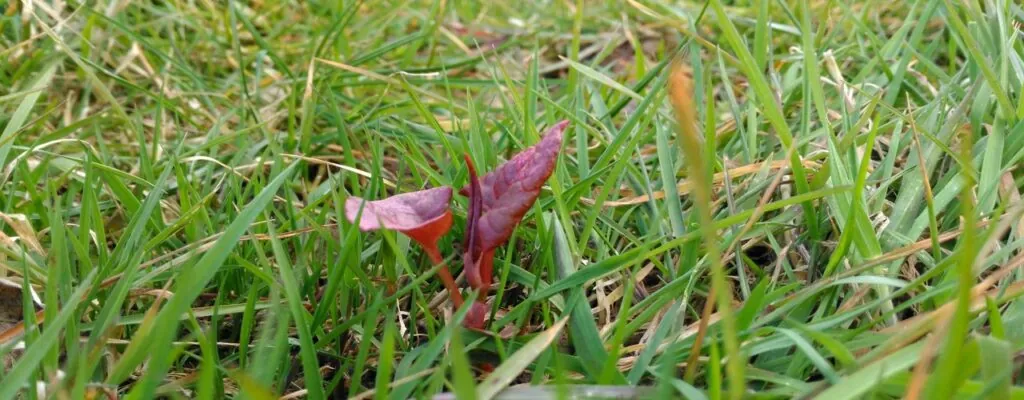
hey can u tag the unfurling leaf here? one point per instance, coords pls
(470, 257)
(500, 199)
(424, 216)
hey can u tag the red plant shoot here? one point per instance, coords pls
(499, 200)
(424, 216)
(497, 203)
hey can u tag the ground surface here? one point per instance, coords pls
(175, 174)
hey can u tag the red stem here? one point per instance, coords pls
(445, 274)
(486, 271)
(477, 316)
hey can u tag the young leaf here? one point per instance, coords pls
(500, 199)
(424, 216)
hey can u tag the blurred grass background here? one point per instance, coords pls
(174, 174)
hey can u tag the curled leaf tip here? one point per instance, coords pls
(534, 164)
(559, 127)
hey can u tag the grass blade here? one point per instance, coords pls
(505, 373)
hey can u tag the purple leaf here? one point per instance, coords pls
(501, 198)
(423, 216)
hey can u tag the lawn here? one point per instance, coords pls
(758, 199)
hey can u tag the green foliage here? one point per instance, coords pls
(175, 173)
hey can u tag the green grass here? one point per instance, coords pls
(174, 175)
